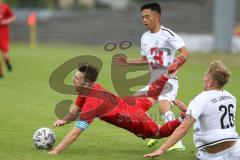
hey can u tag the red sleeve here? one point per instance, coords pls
(90, 109)
(79, 101)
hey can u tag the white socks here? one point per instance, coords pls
(168, 116)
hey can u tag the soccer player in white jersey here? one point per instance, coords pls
(213, 114)
(158, 47)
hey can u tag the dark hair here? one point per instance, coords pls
(153, 6)
(91, 72)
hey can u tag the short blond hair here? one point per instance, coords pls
(219, 73)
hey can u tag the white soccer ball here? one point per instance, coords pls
(44, 138)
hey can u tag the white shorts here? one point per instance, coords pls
(232, 153)
(170, 95)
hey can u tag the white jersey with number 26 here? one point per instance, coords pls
(214, 112)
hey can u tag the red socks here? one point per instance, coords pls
(156, 87)
(168, 128)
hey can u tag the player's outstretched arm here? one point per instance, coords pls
(178, 61)
(122, 60)
(71, 116)
(180, 105)
(140, 60)
(67, 141)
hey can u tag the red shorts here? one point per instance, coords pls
(147, 127)
(133, 117)
(4, 40)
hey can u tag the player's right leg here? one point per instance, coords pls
(157, 87)
(4, 45)
(1, 69)
(169, 127)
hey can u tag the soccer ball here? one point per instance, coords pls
(44, 138)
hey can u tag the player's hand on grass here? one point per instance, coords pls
(53, 152)
(154, 154)
(59, 123)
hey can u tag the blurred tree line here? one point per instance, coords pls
(159, 1)
(32, 3)
(51, 4)
(56, 4)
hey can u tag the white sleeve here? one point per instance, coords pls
(176, 41)
(197, 106)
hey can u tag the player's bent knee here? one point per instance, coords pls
(164, 106)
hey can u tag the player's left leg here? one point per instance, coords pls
(7, 61)
(168, 116)
(165, 101)
(1, 69)
(165, 104)
(164, 107)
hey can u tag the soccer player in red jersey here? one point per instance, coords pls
(6, 17)
(128, 113)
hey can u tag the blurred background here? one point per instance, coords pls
(97, 21)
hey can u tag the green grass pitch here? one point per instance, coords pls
(27, 103)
